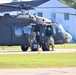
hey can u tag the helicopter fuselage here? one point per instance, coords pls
(18, 30)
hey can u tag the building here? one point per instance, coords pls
(63, 18)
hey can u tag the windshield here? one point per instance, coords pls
(61, 29)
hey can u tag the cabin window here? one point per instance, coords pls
(27, 30)
(40, 14)
(18, 31)
(66, 16)
(54, 30)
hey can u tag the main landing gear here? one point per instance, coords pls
(24, 48)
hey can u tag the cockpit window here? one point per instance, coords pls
(54, 30)
(61, 29)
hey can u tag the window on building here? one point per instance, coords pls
(40, 14)
(66, 16)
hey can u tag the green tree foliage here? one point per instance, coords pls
(71, 3)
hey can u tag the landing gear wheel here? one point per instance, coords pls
(45, 47)
(24, 48)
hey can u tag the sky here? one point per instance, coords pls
(7, 1)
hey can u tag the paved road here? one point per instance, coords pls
(20, 52)
(50, 71)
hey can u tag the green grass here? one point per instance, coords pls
(66, 46)
(10, 48)
(58, 60)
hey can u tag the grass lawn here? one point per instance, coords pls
(58, 60)
(66, 46)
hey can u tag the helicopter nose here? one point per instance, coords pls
(69, 37)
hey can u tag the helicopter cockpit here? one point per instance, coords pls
(61, 35)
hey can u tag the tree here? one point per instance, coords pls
(71, 3)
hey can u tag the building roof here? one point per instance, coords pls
(33, 3)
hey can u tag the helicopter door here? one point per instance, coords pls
(37, 30)
(57, 33)
(53, 17)
(49, 31)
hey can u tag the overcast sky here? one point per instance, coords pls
(7, 1)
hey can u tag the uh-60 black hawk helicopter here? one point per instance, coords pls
(32, 31)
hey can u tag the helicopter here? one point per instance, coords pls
(27, 30)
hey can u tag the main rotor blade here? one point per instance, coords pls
(11, 6)
(23, 6)
(51, 7)
(28, 7)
